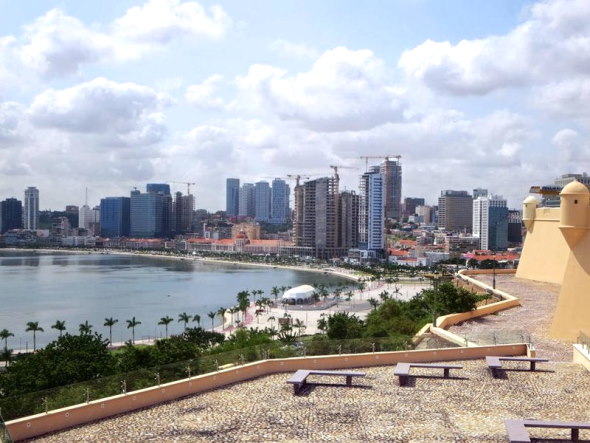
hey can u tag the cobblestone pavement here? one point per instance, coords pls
(532, 319)
(471, 408)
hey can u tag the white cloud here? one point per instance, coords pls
(572, 150)
(122, 114)
(202, 95)
(569, 98)
(11, 123)
(553, 43)
(289, 49)
(344, 90)
(57, 45)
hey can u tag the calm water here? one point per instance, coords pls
(46, 287)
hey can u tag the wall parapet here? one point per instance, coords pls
(59, 419)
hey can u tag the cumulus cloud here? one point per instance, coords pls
(57, 45)
(553, 42)
(573, 151)
(289, 49)
(203, 95)
(124, 114)
(569, 98)
(344, 90)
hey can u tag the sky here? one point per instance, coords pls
(112, 95)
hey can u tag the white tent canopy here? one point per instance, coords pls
(299, 295)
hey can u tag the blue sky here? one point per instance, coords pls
(115, 94)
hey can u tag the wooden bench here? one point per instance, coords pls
(402, 370)
(299, 379)
(495, 363)
(517, 432)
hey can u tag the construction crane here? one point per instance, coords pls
(545, 190)
(335, 168)
(386, 157)
(188, 186)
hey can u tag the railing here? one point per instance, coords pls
(43, 401)
(584, 341)
(487, 338)
(4, 435)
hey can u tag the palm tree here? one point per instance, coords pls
(165, 321)
(6, 355)
(34, 326)
(275, 291)
(212, 315)
(185, 318)
(221, 312)
(132, 324)
(4, 334)
(243, 303)
(60, 326)
(85, 328)
(110, 322)
(197, 318)
(299, 325)
(374, 303)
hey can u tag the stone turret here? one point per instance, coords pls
(529, 209)
(575, 204)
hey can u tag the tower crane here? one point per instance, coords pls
(188, 186)
(336, 167)
(386, 157)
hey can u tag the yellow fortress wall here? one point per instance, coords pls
(557, 250)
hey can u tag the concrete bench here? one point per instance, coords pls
(299, 379)
(402, 370)
(517, 432)
(495, 363)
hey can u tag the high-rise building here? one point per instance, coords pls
(158, 188)
(232, 197)
(115, 216)
(479, 192)
(31, 213)
(73, 215)
(316, 217)
(490, 222)
(85, 217)
(455, 211)
(11, 217)
(410, 205)
(424, 214)
(564, 179)
(392, 172)
(262, 194)
(349, 219)
(514, 226)
(247, 206)
(184, 206)
(372, 210)
(151, 213)
(279, 208)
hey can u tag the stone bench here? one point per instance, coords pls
(517, 432)
(495, 363)
(299, 379)
(402, 370)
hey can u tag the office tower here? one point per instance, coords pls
(232, 197)
(410, 205)
(158, 188)
(372, 210)
(279, 208)
(514, 226)
(183, 208)
(247, 207)
(479, 192)
(31, 213)
(262, 201)
(11, 211)
(115, 216)
(151, 214)
(564, 179)
(455, 211)
(349, 219)
(392, 172)
(85, 217)
(73, 215)
(424, 214)
(490, 222)
(316, 218)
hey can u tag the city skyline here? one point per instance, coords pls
(491, 94)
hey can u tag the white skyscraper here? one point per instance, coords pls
(31, 212)
(490, 222)
(372, 211)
